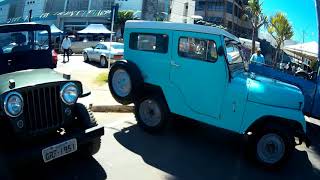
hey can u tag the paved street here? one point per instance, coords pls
(185, 150)
(188, 151)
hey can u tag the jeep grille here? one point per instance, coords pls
(43, 108)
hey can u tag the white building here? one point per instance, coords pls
(135, 5)
(37, 7)
(182, 11)
(4, 12)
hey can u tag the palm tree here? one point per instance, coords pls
(253, 12)
(280, 29)
(124, 16)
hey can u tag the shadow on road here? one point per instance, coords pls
(198, 151)
(74, 167)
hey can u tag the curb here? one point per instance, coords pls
(111, 108)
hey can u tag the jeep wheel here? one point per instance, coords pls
(103, 61)
(86, 120)
(152, 113)
(272, 146)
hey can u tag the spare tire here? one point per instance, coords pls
(124, 81)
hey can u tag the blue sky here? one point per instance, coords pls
(301, 13)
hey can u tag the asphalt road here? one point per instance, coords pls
(185, 150)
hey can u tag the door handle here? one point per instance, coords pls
(174, 64)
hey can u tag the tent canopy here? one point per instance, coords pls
(54, 30)
(95, 29)
(305, 50)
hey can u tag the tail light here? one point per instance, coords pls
(54, 57)
(118, 57)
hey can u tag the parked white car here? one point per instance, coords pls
(100, 53)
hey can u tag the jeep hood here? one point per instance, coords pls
(274, 93)
(29, 78)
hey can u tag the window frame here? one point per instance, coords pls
(134, 47)
(207, 48)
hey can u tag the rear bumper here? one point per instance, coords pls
(34, 152)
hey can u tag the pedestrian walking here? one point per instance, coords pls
(66, 44)
(257, 57)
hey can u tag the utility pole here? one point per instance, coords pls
(114, 11)
(30, 15)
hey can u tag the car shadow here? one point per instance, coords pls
(198, 151)
(75, 167)
(313, 131)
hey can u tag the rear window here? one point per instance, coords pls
(23, 41)
(149, 42)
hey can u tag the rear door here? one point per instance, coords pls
(198, 72)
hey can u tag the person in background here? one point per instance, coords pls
(257, 57)
(66, 44)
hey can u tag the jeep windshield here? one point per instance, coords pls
(24, 46)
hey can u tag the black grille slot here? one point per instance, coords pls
(43, 108)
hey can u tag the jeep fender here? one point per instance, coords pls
(256, 113)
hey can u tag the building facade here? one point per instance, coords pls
(182, 11)
(134, 5)
(227, 13)
(155, 10)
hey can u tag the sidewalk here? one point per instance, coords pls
(100, 99)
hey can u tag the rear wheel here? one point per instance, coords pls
(152, 113)
(272, 145)
(103, 61)
(86, 57)
(86, 120)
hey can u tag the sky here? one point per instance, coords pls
(301, 13)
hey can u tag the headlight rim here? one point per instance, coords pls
(5, 104)
(64, 88)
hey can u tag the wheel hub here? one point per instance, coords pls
(150, 113)
(270, 148)
(121, 83)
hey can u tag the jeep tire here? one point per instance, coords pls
(152, 113)
(124, 82)
(272, 145)
(86, 120)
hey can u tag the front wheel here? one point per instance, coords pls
(272, 145)
(152, 113)
(86, 120)
(86, 57)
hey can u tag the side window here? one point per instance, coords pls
(234, 54)
(200, 49)
(104, 47)
(149, 42)
(98, 46)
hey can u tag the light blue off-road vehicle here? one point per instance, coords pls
(198, 72)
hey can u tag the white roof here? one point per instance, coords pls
(95, 29)
(112, 43)
(180, 27)
(307, 50)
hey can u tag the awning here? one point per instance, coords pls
(95, 29)
(248, 43)
(54, 30)
(306, 50)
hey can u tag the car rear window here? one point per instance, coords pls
(149, 42)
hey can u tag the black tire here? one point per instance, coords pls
(135, 80)
(105, 64)
(86, 57)
(147, 103)
(86, 120)
(285, 136)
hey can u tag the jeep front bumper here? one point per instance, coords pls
(34, 152)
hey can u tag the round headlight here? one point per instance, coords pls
(69, 93)
(13, 104)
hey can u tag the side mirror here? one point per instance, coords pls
(92, 47)
(221, 51)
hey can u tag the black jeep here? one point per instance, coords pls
(39, 114)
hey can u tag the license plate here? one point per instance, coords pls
(59, 150)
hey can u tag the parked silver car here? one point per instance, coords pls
(100, 53)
